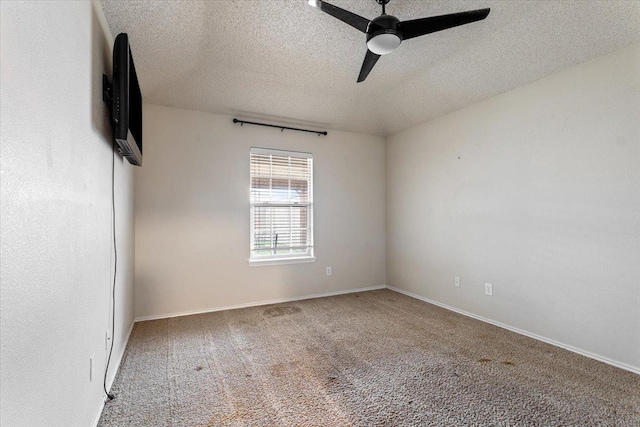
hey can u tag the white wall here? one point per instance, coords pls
(536, 191)
(192, 214)
(57, 259)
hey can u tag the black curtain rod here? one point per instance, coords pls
(282, 128)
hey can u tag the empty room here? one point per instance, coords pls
(320, 213)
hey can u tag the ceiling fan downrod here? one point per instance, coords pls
(383, 3)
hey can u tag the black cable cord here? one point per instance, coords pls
(115, 268)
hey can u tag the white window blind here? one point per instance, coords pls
(281, 205)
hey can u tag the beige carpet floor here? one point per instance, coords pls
(375, 358)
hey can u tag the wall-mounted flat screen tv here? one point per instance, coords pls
(127, 102)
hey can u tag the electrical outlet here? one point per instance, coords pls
(457, 281)
(488, 289)
(328, 271)
(91, 368)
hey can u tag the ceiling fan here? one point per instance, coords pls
(386, 32)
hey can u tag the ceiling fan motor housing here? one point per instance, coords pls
(383, 34)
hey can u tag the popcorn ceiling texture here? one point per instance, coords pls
(366, 359)
(285, 61)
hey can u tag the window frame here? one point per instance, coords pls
(290, 258)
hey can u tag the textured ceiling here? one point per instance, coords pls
(286, 62)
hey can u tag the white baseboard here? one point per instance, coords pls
(99, 414)
(573, 349)
(113, 377)
(124, 348)
(259, 303)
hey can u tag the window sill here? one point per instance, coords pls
(265, 262)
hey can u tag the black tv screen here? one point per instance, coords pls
(127, 102)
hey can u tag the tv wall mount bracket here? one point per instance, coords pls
(107, 91)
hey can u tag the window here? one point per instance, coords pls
(281, 207)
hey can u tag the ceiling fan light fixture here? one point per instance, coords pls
(382, 44)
